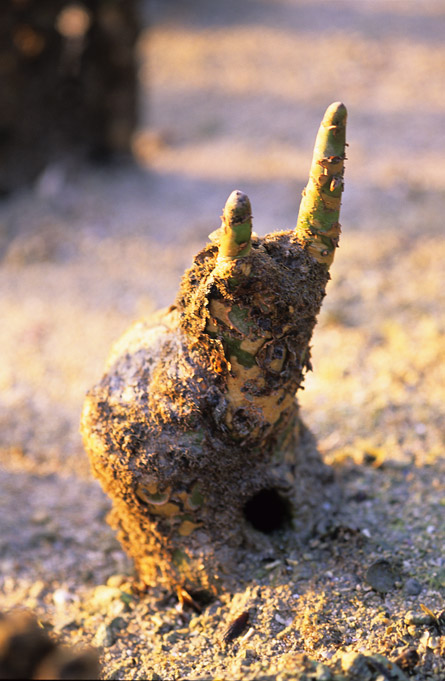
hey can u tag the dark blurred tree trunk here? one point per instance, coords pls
(68, 82)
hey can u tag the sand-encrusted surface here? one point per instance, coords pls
(236, 94)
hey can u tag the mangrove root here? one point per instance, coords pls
(194, 430)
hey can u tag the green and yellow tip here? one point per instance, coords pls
(234, 235)
(318, 227)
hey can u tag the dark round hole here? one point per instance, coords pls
(203, 597)
(267, 511)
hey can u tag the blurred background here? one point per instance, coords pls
(125, 126)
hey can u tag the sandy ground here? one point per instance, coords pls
(231, 97)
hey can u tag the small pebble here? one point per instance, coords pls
(195, 623)
(105, 636)
(417, 618)
(250, 653)
(118, 623)
(61, 597)
(37, 588)
(282, 620)
(172, 637)
(424, 641)
(117, 607)
(40, 518)
(381, 576)
(413, 587)
(322, 673)
(354, 664)
(104, 595)
(272, 566)
(247, 661)
(116, 581)
(433, 642)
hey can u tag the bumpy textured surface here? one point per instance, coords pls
(194, 429)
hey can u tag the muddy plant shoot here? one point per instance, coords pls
(194, 430)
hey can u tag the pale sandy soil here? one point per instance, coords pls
(235, 96)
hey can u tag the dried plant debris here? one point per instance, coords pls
(236, 628)
(194, 430)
